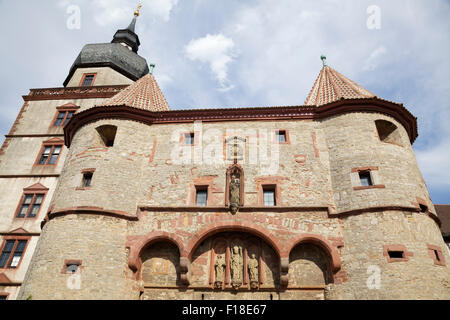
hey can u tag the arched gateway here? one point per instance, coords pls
(231, 263)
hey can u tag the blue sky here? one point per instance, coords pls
(211, 53)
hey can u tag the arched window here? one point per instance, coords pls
(107, 134)
(388, 132)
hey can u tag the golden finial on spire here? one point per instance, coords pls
(136, 13)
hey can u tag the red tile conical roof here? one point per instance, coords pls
(143, 94)
(331, 86)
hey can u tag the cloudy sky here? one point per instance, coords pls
(230, 53)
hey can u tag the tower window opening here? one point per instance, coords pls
(87, 179)
(189, 138)
(365, 178)
(396, 254)
(281, 136)
(436, 253)
(388, 132)
(269, 195)
(72, 267)
(201, 196)
(107, 134)
(88, 80)
(423, 208)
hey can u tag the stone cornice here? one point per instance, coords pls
(73, 93)
(373, 105)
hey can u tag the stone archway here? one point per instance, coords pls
(234, 265)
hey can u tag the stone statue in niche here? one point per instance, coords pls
(236, 266)
(253, 271)
(235, 193)
(219, 266)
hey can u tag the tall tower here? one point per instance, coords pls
(33, 154)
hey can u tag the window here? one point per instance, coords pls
(107, 134)
(3, 296)
(12, 253)
(388, 132)
(72, 268)
(269, 195)
(62, 118)
(396, 254)
(423, 208)
(189, 138)
(201, 196)
(435, 253)
(365, 178)
(87, 179)
(88, 79)
(30, 205)
(281, 136)
(50, 154)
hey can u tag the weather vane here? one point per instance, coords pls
(324, 60)
(136, 13)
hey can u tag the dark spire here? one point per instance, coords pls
(128, 36)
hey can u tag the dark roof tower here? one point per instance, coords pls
(120, 55)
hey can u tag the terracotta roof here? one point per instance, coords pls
(143, 94)
(443, 212)
(331, 86)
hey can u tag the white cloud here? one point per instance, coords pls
(372, 61)
(435, 165)
(217, 51)
(163, 8)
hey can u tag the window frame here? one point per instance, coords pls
(396, 247)
(5, 295)
(83, 173)
(358, 171)
(68, 107)
(16, 240)
(276, 135)
(183, 139)
(36, 189)
(83, 78)
(436, 254)
(52, 144)
(201, 188)
(275, 189)
(79, 263)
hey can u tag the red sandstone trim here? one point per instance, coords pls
(4, 294)
(19, 116)
(372, 105)
(15, 237)
(314, 140)
(34, 189)
(375, 186)
(34, 135)
(137, 244)
(89, 210)
(226, 209)
(364, 169)
(233, 225)
(396, 247)
(71, 93)
(440, 259)
(30, 176)
(320, 241)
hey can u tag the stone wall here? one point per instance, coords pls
(140, 195)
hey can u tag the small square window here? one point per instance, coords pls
(189, 138)
(88, 80)
(365, 178)
(396, 254)
(436, 253)
(269, 196)
(423, 208)
(201, 196)
(281, 136)
(87, 179)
